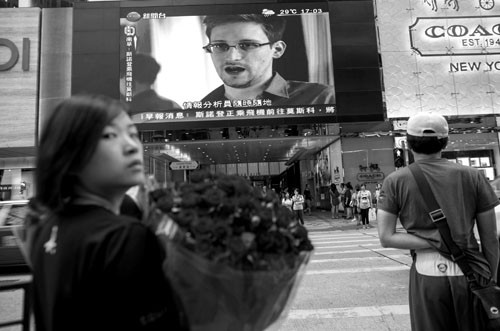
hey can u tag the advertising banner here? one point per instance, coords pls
(19, 44)
(440, 55)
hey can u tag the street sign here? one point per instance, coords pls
(184, 165)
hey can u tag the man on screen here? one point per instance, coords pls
(146, 68)
(243, 48)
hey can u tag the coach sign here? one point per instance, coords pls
(440, 55)
(19, 44)
(446, 36)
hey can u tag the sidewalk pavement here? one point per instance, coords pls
(321, 220)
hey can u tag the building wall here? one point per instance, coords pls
(19, 36)
(367, 160)
(337, 166)
(55, 58)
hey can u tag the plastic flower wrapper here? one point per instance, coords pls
(233, 256)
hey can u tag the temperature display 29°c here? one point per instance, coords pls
(301, 11)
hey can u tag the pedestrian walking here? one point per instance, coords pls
(264, 190)
(342, 209)
(287, 201)
(364, 198)
(308, 200)
(334, 200)
(440, 297)
(93, 269)
(298, 205)
(347, 200)
(354, 205)
(378, 186)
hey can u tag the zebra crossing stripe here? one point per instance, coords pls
(345, 246)
(371, 258)
(344, 241)
(355, 251)
(341, 238)
(370, 311)
(356, 270)
(335, 235)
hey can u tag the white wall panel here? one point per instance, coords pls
(454, 75)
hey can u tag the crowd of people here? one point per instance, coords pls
(296, 203)
(354, 203)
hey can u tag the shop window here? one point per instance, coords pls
(483, 160)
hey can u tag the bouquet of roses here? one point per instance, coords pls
(233, 256)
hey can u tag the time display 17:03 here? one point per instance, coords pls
(294, 11)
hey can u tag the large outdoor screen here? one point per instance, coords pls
(223, 62)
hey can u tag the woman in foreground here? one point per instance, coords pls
(94, 269)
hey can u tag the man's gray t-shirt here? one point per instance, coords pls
(462, 192)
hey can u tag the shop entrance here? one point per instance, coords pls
(260, 153)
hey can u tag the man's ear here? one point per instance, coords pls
(278, 49)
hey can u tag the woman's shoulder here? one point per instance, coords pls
(90, 228)
(101, 222)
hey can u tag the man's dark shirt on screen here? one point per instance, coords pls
(149, 100)
(283, 92)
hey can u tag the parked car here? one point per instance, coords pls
(12, 213)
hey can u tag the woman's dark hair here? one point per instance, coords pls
(426, 145)
(333, 187)
(273, 26)
(68, 140)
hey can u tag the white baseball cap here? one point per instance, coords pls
(427, 124)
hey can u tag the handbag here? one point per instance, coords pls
(352, 203)
(372, 215)
(489, 294)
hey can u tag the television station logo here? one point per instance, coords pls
(133, 16)
(130, 36)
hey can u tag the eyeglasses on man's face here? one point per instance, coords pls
(220, 48)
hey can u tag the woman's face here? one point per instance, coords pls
(117, 162)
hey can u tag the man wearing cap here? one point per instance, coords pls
(439, 295)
